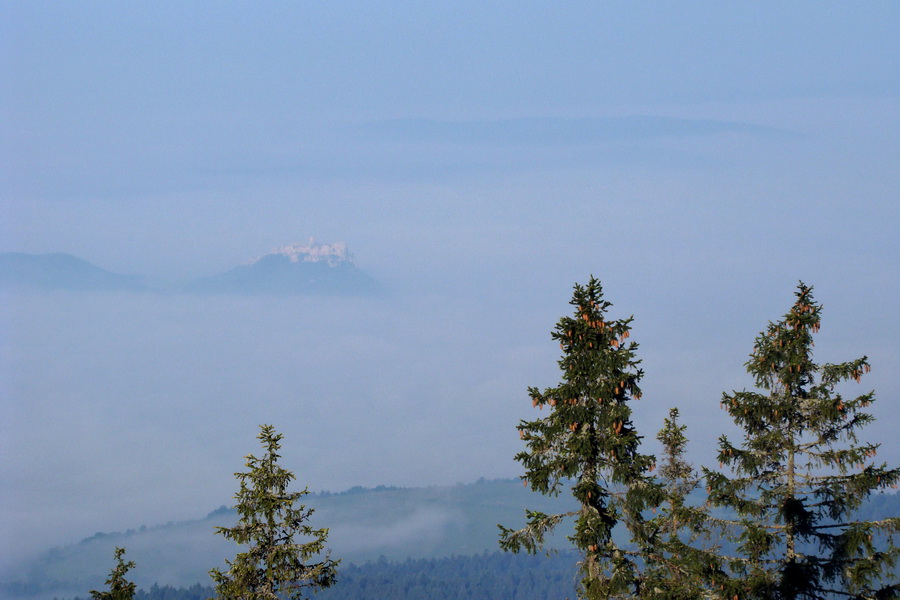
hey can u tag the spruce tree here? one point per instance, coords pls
(681, 562)
(589, 441)
(801, 473)
(119, 587)
(275, 565)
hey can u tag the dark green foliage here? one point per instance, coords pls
(119, 587)
(801, 473)
(588, 438)
(275, 566)
(493, 576)
(167, 592)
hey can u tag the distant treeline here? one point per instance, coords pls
(497, 575)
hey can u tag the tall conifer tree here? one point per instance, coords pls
(801, 473)
(588, 439)
(275, 565)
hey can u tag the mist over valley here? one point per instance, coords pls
(359, 223)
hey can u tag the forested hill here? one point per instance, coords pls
(422, 533)
(497, 575)
(365, 524)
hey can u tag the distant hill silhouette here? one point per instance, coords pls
(60, 271)
(297, 268)
(310, 268)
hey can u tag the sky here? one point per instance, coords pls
(479, 159)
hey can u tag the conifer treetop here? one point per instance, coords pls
(285, 556)
(801, 472)
(119, 587)
(588, 440)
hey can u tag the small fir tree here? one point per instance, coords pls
(275, 565)
(801, 473)
(588, 439)
(681, 562)
(119, 587)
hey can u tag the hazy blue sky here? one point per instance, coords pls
(479, 159)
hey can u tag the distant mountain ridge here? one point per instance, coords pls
(300, 268)
(60, 271)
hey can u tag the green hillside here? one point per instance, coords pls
(408, 531)
(365, 524)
